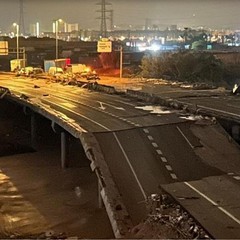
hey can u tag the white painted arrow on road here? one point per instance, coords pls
(110, 105)
(101, 106)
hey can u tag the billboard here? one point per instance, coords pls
(3, 48)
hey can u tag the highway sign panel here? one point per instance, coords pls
(104, 46)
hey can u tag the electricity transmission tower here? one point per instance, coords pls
(21, 18)
(103, 18)
(111, 20)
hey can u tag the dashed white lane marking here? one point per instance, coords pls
(146, 130)
(163, 159)
(173, 176)
(159, 152)
(103, 110)
(150, 137)
(237, 177)
(213, 203)
(155, 145)
(168, 167)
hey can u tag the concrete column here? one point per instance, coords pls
(64, 150)
(33, 131)
(100, 201)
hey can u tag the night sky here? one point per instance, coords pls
(220, 14)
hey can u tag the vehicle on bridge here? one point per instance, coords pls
(55, 71)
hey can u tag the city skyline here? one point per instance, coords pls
(216, 14)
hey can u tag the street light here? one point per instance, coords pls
(121, 61)
(56, 35)
(17, 35)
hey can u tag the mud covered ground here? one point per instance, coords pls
(38, 199)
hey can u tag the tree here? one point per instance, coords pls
(109, 60)
(184, 66)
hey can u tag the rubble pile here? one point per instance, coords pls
(167, 219)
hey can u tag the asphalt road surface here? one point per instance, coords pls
(146, 151)
(219, 101)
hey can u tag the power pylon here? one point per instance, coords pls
(111, 20)
(21, 18)
(103, 11)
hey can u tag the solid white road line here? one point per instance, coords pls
(221, 111)
(185, 137)
(80, 115)
(214, 203)
(130, 165)
(69, 105)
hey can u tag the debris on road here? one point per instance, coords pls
(167, 219)
(236, 89)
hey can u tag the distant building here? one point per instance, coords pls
(72, 27)
(34, 29)
(173, 28)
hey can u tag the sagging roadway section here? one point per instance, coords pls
(136, 153)
(116, 210)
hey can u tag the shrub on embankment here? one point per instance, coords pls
(192, 67)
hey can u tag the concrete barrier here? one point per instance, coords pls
(101, 88)
(154, 99)
(175, 104)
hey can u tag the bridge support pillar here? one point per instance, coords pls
(64, 150)
(100, 201)
(33, 131)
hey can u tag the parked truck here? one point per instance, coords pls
(48, 64)
(76, 68)
(60, 63)
(17, 64)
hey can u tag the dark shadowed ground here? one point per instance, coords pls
(37, 197)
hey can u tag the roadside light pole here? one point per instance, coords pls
(17, 36)
(121, 61)
(56, 35)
